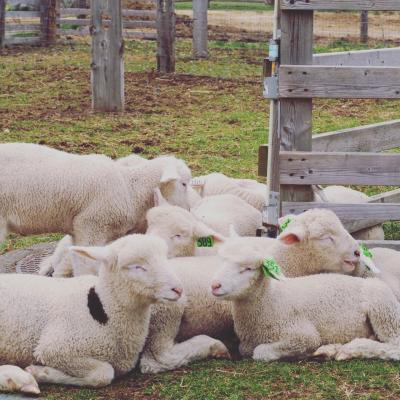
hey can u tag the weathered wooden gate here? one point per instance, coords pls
(296, 77)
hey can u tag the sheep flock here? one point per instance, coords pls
(158, 269)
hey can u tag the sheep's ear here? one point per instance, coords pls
(202, 230)
(159, 199)
(88, 260)
(170, 174)
(232, 231)
(292, 235)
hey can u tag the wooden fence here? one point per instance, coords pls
(348, 156)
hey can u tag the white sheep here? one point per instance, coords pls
(85, 331)
(222, 211)
(315, 242)
(180, 229)
(293, 318)
(90, 197)
(254, 193)
(342, 194)
(133, 160)
(15, 379)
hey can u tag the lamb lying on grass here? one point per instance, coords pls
(92, 198)
(276, 320)
(85, 331)
(315, 242)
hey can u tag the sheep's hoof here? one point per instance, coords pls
(342, 355)
(38, 372)
(219, 350)
(327, 352)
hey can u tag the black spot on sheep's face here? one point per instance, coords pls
(96, 308)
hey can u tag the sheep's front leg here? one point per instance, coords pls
(297, 344)
(88, 372)
(196, 348)
(59, 259)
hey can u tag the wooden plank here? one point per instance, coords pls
(393, 196)
(368, 138)
(79, 22)
(375, 58)
(140, 35)
(346, 212)
(299, 168)
(75, 11)
(355, 5)
(2, 22)
(299, 81)
(15, 40)
(165, 36)
(140, 13)
(73, 32)
(49, 14)
(388, 244)
(23, 27)
(23, 14)
(295, 115)
(107, 57)
(139, 24)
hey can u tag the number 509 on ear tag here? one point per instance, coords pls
(207, 241)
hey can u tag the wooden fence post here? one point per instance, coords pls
(49, 13)
(295, 124)
(107, 56)
(200, 29)
(165, 36)
(2, 22)
(364, 27)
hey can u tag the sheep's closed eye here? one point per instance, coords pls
(138, 268)
(246, 269)
(176, 237)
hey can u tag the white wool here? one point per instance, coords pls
(86, 330)
(15, 379)
(276, 320)
(316, 242)
(90, 197)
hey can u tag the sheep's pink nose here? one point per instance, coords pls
(178, 291)
(215, 285)
(357, 253)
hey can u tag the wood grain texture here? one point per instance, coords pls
(339, 82)
(367, 211)
(107, 57)
(49, 15)
(299, 168)
(165, 36)
(31, 41)
(23, 14)
(375, 58)
(295, 115)
(2, 22)
(200, 29)
(373, 138)
(389, 244)
(356, 5)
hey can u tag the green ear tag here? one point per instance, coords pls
(272, 270)
(285, 224)
(207, 241)
(365, 250)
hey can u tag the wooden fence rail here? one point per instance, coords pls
(338, 5)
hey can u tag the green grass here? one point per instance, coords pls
(215, 118)
(227, 6)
